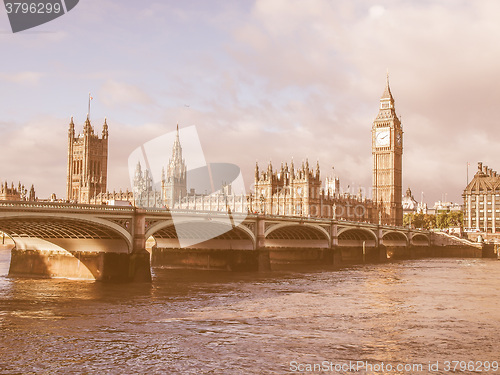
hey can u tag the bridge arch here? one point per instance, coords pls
(420, 239)
(212, 233)
(65, 232)
(356, 237)
(297, 235)
(394, 238)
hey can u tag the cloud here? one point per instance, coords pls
(441, 59)
(274, 79)
(35, 152)
(22, 78)
(377, 11)
(120, 94)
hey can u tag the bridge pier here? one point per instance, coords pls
(210, 259)
(81, 265)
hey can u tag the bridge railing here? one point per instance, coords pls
(59, 205)
(455, 238)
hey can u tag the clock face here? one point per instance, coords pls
(382, 137)
(398, 139)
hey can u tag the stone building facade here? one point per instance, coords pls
(482, 202)
(173, 183)
(299, 191)
(144, 194)
(19, 193)
(87, 163)
(409, 203)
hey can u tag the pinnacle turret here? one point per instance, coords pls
(71, 130)
(105, 128)
(87, 128)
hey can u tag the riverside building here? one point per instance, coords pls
(482, 203)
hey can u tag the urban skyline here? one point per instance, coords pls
(256, 76)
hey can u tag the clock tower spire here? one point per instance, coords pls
(387, 150)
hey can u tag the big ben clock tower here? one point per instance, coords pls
(387, 149)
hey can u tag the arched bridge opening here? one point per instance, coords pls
(63, 234)
(6, 245)
(297, 236)
(356, 237)
(203, 244)
(203, 235)
(55, 246)
(394, 239)
(420, 239)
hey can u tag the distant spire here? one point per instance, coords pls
(387, 91)
(176, 168)
(105, 128)
(71, 130)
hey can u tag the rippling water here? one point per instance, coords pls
(244, 323)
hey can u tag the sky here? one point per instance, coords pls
(264, 80)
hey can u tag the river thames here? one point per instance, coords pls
(420, 312)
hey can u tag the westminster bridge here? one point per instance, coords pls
(114, 243)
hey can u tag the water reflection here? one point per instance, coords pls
(221, 322)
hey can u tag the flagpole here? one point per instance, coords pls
(89, 106)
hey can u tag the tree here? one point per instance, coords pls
(408, 219)
(455, 218)
(442, 220)
(427, 221)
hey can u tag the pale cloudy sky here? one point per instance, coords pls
(261, 80)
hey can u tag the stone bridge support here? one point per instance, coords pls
(76, 245)
(140, 258)
(260, 245)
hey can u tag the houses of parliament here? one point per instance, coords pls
(286, 190)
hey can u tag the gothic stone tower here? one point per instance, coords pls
(387, 149)
(174, 184)
(288, 191)
(87, 163)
